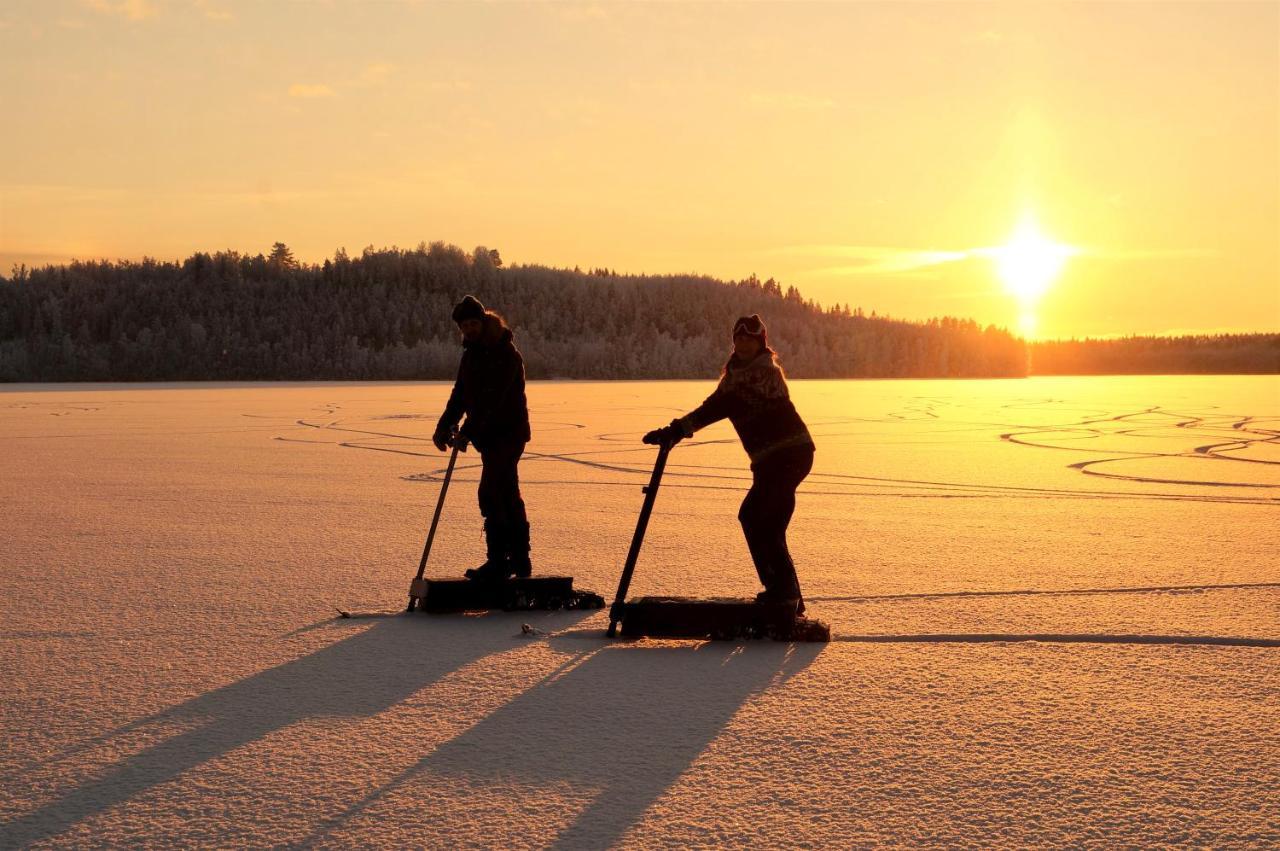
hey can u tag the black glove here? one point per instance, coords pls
(446, 437)
(668, 435)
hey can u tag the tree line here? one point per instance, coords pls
(1205, 353)
(385, 314)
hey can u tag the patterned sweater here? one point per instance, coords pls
(754, 396)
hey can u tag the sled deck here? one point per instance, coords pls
(469, 595)
(683, 617)
(719, 619)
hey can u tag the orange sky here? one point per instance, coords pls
(864, 152)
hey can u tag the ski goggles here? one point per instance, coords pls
(752, 326)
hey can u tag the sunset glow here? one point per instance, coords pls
(594, 424)
(726, 140)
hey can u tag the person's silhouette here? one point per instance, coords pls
(489, 390)
(753, 395)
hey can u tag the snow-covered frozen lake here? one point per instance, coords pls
(173, 673)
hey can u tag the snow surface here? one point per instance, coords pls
(175, 674)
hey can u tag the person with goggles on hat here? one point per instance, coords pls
(753, 395)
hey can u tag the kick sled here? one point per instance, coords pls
(469, 595)
(682, 617)
(511, 595)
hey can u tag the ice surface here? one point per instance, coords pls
(174, 673)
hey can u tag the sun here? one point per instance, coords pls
(1029, 262)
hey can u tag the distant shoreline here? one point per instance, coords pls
(91, 386)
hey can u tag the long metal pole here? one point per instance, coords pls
(650, 494)
(435, 520)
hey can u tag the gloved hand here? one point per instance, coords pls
(668, 435)
(443, 439)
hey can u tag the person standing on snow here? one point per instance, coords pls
(753, 395)
(490, 390)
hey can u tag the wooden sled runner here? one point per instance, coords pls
(682, 617)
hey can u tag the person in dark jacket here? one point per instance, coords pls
(753, 395)
(490, 391)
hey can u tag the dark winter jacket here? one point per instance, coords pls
(754, 396)
(489, 390)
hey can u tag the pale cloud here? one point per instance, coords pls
(71, 23)
(212, 12)
(263, 194)
(789, 100)
(656, 86)
(134, 10)
(449, 86)
(877, 259)
(57, 193)
(584, 110)
(1150, 253)
(376, 73)
(305, 90)
(38, 194)
(887, 260)
(996, 40)
(581, 12)
(382, 73)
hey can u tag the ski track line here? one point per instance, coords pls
(1238, 422)
(966, 491)
(1065, 592)
(1084, 467)
(1058, 638)
(1017, 489)
(988, 638)
(1213, 451)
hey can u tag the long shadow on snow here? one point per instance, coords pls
(358, 676)
(626, 721)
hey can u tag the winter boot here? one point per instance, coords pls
(783, 587)
(783, 584)
(770, 598)
(518, 549)
(496, 568)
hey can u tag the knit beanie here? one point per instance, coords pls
(469, 308)
(752, 326)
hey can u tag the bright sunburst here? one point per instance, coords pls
(1029, 262)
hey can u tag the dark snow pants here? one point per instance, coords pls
(766, 513)
(506, 524)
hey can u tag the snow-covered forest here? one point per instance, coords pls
(1200, 353)
(385, 315)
